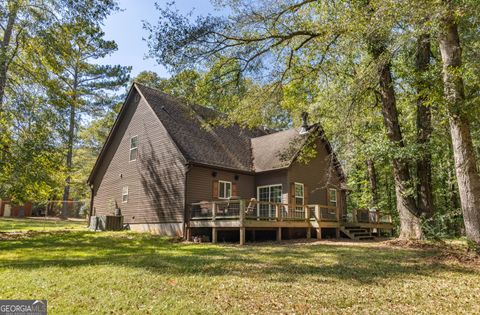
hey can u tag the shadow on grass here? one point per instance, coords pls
(277, 263)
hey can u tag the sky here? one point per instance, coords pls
(126, 29)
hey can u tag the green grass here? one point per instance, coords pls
(39, 224)
(81, 272)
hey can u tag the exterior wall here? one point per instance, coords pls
(156, 180)
(164, 229)
(200, 183)
(318, 176)
(273, 178)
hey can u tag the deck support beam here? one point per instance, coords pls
(309, 233)
(319, 233)
(214, 234)
(279, 234)
(242, 236)
(189, 234)
(337, 232)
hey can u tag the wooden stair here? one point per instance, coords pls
(357, 233)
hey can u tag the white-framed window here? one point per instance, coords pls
(125, 194)
(133, 148)
(332, 197)
(299, 195)
(268, 193)
(224, 189)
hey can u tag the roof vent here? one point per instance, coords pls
(305, 128)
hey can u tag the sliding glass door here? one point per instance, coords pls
(270, 193)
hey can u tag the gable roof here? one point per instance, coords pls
(276, 150)
(230, 147)
(226, 147)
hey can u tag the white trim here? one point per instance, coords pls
(130, 151)
(269, 194)
(336, 196)
(295, 193)
(125, 194)
(219, 189)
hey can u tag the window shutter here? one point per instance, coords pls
(305, 194)
(292, 193)
(234, 190)
(215, 189)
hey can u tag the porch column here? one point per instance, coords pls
(214, 235)
(242, 236)
(319, 233)
(279, 234)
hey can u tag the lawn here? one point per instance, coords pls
(39, 224)
(81, 272)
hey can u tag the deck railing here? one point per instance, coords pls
(261, 210)
(367, 216)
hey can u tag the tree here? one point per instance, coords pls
(465, 160)
(78, 86)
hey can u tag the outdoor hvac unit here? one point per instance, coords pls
(106, 223)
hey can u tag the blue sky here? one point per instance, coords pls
(126, 29)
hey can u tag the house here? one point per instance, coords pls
(172, 173)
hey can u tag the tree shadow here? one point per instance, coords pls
(269, 263)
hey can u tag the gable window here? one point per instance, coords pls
(125, 194)
(332, 197)
(299, 195)
(133, 148)
(225, 190)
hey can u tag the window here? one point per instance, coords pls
(299, 194)
(225, 190)
(133, 148)
(270, 193)
(125, 194)
(332, 197)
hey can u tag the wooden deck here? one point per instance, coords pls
(251, 214)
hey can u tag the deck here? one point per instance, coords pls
(252, 214)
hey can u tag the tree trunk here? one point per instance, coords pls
(4, 48)
(468, 177)
(372, 179)
(424, 129)
(410, 223)
(71, 140)
(66, 189)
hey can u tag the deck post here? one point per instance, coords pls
(317, 212)
(279, 234)
(307, 213)
(337, 232)
(278, 213)
(214, 234)
(241, 215)
(189, 234)
(242, 236)
(214, 210)
(309, 233)
(319, 233)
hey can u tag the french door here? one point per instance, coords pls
(270, 193)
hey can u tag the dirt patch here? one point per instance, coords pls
(446, 252)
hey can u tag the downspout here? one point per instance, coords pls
(91, 204)
(185, 212)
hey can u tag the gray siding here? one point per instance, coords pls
(200, 183)
(156, 180)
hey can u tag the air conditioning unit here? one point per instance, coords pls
(106, 223)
